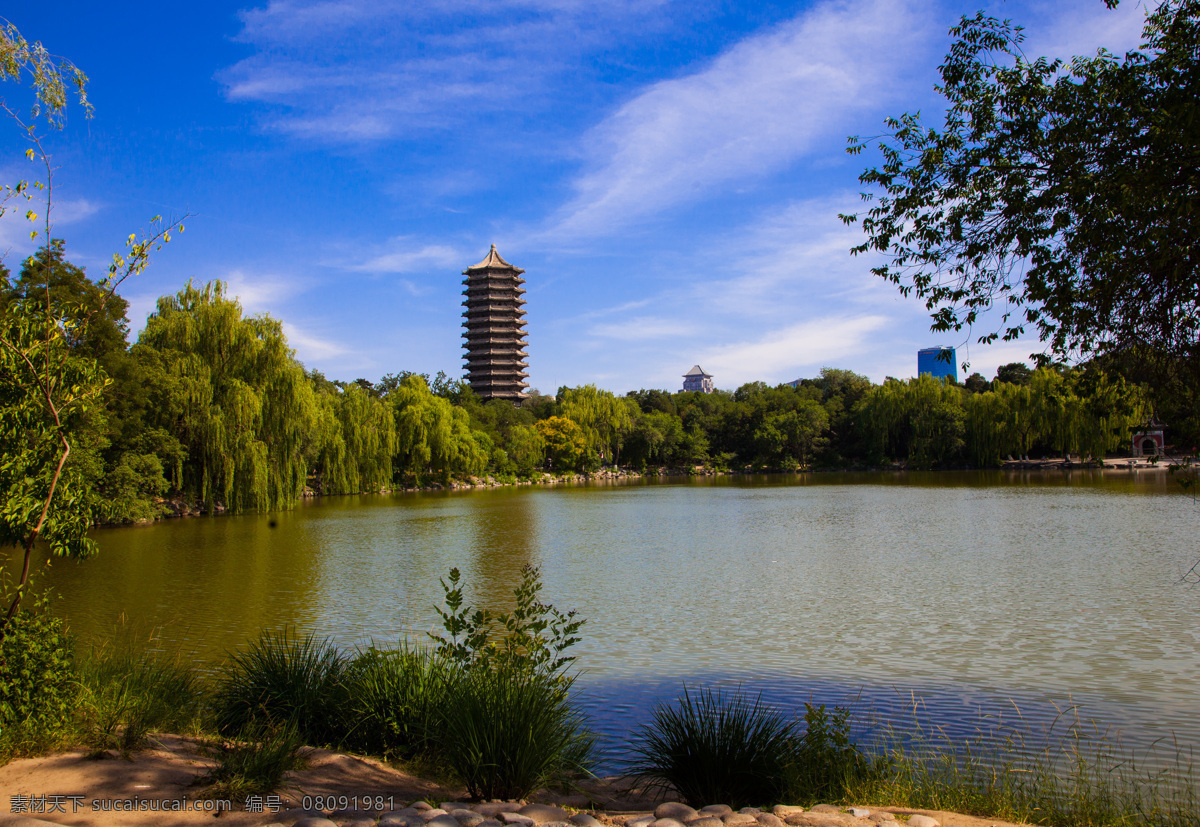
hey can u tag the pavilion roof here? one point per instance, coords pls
(697, 371)
(492, 261)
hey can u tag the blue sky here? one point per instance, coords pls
(669, 174)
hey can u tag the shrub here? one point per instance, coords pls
(129, 691)
(255, 762)
(281, 678)
(508, 731)
(713, 748)
(37, 687)
(395, 700)
(825, 764)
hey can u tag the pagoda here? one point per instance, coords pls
(495, 329)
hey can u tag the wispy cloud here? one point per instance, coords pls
(796, 350)
(644, 328)
(311, 348)
(1080, 27)
(353, 70)
(767, 101)
(262, 293)
(405, 254)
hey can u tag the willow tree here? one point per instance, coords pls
(603, 417)
(433, 436)
(354, 440)
(246, 409)
(921, 421)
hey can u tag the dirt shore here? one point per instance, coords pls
(75, 789)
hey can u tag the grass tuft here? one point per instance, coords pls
(715, 748)
(254, 763)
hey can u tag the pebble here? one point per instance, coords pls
(515, 818)
(421, 805)
(825, 808)
(769, 820)
(493, 809)
(543, 813)
(716, 810)
(751, 810)
(880, 816)
(706, 821)
(451, 806)
(357, 822)
(640, 821)
(309, 821)
(490, 822)
(667, 822)
(675, 810)
(442, 820)
(859, 812)
(295, 814)
(739, 818)
(923, 821)
(467, 818)
(785, 810)
(433, 812)
(585, 820)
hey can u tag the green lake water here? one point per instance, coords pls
(975, 593)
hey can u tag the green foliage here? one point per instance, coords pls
(256, 761)
(1064, 195)
(534, 637)
(128, 691)
(247, 409)
(566, 446)
(37, 688)
(716, 748)
(132, 488)
(283, 678)
(826, 765)
(509, 730)
(397, 700)
(602, 418)
(432, 436)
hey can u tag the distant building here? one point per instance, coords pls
(931, 361)
(1149, 441)
(494, 328)
(697, 380)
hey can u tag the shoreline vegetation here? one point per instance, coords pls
(209, 411)
(484, 709)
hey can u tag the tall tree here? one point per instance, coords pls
(1067, 196)
(247, 408)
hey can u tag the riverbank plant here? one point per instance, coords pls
(396, 699)
(127, 689)
(254, 762)
(710, 747)
(37, 682)
(281, 677)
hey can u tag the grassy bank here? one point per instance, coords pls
(487, 704)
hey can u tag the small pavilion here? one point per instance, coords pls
(697, 380)
(1149, 441)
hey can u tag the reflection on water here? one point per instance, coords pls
(967, 587)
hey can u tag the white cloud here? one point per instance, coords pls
(404, 254)
(1080, 27)
(767, 101)
(797, 350)
(15, 243)
(262, 293)
(309, 347)
(642, 328)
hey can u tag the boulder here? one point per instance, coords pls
(544, 813)
(675, 810)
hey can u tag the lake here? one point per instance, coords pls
(980, 596)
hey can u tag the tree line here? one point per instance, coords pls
(210, 407)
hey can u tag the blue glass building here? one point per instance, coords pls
(931, 361)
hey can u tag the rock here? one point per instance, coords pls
(362, 821)
(825, 808)
(640, 821)
(584, 820)
(739, 818)
(880, 816)
(667, 822)
(515, 818)
(432, 813)
(769, 820)
(295, 814)
(309, 821)
(421, 805)
(490, 822)
(717, 810)
(402, 813)
(751, 810)
(785, 810)
(859, 812)
(675, 810)
(451, 806)
(467, 818)
(923, 821)
(493, 809)
(705, 821)
(443, 820)
(544, 813)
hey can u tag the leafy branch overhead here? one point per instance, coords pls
(1064, 196)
